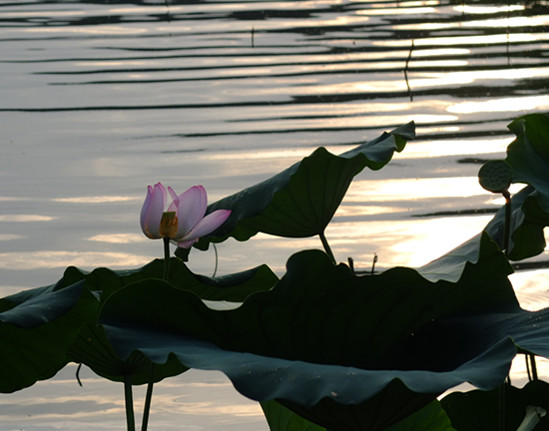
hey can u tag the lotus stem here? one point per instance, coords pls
(534, 367)
(507, 223)
(531, 367)
(216, 260)
(506, 233)
(326, 246)
(78, 374)
(530, 359)
(166, 258)
(148, 400)
(502, 407)
(128, 395)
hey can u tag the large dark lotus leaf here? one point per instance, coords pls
(356, 399)
(482, 410)
(37, 327)
(528, 154)
(324, 337)
(94, 349)
(301, 200)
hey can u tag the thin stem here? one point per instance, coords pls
(150, 385)
(326, 246)
(507, 224)
(533, 367)
(406, 72)
(502, 408)
(530, 359)
(216, 260)
(128, 395)
(166, 258)
(78, 374)
(148, 400)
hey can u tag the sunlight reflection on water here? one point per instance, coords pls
(62, 259)
(508, 104)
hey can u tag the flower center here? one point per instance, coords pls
(168, 225)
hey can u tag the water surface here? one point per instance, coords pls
(99, 99)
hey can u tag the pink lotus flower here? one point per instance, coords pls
(183, 221)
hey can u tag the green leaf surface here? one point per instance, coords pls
(391, 405)
(37, 327)
(281, 418)
(324, 339)
(432, 417)
(301, 200)
(326, 394)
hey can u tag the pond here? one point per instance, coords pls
(101, 98)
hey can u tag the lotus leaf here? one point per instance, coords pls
(301, 200)
(37, 327)
(332, 345)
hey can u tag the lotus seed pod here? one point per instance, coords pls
(495, 176)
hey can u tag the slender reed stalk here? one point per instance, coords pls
(406, 72)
